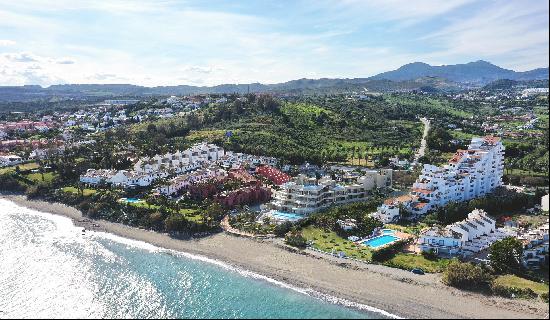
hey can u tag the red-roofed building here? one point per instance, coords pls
(272, 174)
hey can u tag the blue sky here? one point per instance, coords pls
(203, 42)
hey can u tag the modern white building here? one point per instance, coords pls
(473, 234)
(305, 195)
(469, 174)
(181, 161)
(94, 177)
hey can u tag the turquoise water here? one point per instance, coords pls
(380, 241)
(388, 231)
(132, 200)
(49, 269)
(286, 215)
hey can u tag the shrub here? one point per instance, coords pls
(544, 297)
(282, 229)
(465, 276)
(9, 183)
(388, 251)
(509, 292)
(295, 239)
(430, 254)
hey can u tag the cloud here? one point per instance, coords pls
(504, 33)
(65, 61)
(7, 43)
(21, 57)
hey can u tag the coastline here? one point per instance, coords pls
(396, 291)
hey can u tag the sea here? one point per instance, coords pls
(51, 269)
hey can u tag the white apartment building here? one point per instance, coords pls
(305, 195)
(473, 234)
(181, 161)
(94, 177)
(469, 174)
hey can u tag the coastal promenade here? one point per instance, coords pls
(395, 291)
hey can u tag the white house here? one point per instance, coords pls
(473, 234)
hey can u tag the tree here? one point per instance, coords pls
(213, 214)
(295, 239)
(175, 222)
(465, 276)
(282, 229)
(506, 256)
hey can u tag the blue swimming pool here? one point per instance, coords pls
(286, 215)
(131, 200)
(380, 241)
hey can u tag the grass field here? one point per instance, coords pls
(22, 167)
(85, 192)
(328, 241)
(410, 261)
(512, 281)
(37, 177)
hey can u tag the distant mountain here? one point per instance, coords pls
(473, 73)
(413, 76)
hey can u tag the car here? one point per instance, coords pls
(417, 271)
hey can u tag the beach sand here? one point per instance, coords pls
(396, 291)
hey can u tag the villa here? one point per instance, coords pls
(473, 234)
(469, 174)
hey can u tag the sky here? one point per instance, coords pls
(209, 42)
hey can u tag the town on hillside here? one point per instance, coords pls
(430, 182)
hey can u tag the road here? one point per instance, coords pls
(422, 150)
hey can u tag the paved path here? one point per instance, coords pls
(422, 151)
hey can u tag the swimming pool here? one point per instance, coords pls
(380, 241)
(131, 200)
(286, 215)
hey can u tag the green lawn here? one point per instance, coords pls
(410, 261)
(85, 192)
(329, 240)
(37, 177)
(517, 282)
(22, 167)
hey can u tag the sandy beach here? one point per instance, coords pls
(396, 291)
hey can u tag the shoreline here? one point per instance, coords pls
(393, 290)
